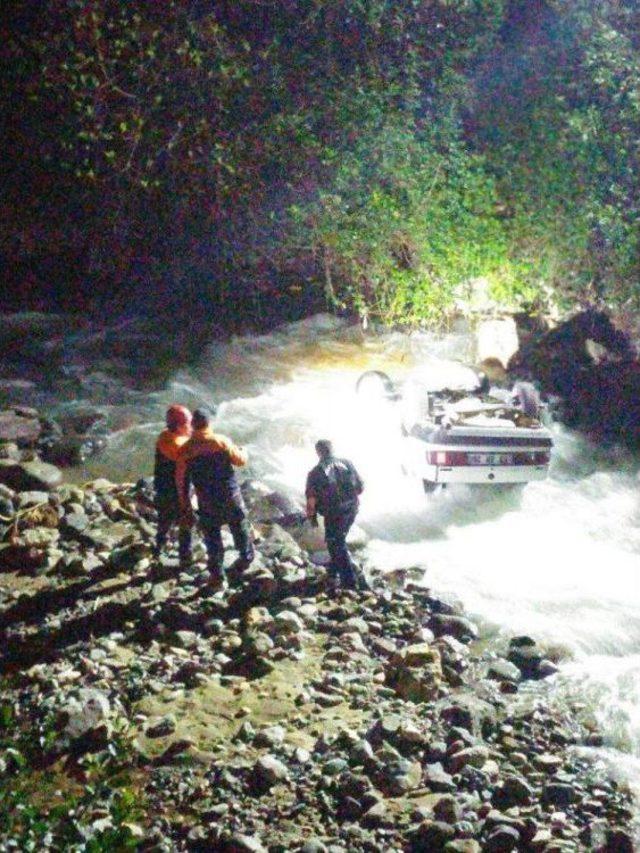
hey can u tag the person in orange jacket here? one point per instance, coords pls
(168, 445)
(207, 462)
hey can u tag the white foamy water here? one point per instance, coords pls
(558, 559)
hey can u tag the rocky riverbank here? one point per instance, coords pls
(141, 712)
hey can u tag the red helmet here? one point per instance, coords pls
(178, 419)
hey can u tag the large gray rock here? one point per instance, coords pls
(560, 794)
(27, 499)
(26, 476)
(431, 835)
(39, 537)
(86, 717)
(437, 779)
(472, 756)
(502, 839)
(107, 535)
(456, 626)
(514, 791)
(268, 771)
(278, 544)
(402, 776)
(21, 558)
(471, 713)
(504, 670)
(20, 426)
(74, 523)
(416, 683)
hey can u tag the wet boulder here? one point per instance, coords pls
(592, 368)
(23, 558)
(470, 713)
(71, 450)
(21, 426)
(269, 506)
(277, 544)
(444, 624)
(415, 673)
(104, 534)
(29, 476)
(84, 721)
(527, 657)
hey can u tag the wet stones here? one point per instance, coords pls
(529, 659)
(293, 720)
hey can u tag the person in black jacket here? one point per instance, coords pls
(167, 503)
(332, 490)
(207, 462)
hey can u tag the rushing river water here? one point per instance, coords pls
(558, 560)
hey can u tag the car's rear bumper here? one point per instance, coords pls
(491, 474)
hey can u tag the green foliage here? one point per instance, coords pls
(380, 156)
(43, 807)
(559, 126)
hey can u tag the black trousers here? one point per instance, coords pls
(336, 527)
(212, 532)
(168, 516)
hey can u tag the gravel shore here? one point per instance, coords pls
(141, 711)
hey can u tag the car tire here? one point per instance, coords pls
(388, 390)
(529, 399)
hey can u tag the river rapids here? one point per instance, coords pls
(558, 559)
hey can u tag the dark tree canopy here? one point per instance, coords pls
(276, 155)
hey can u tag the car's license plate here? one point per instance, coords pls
(491, 459)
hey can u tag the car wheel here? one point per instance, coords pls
(376, 383)
(528, 398)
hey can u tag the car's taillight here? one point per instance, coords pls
(447, 457)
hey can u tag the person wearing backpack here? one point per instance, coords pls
(332, 491)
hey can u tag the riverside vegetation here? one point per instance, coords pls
(137, 713)
(268, 159)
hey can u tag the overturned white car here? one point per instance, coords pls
(458, 429)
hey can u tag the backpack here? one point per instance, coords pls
(342, 484)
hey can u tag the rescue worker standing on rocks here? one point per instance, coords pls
(168, 446)
(332, 490)
(207, 462)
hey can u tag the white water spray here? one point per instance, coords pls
(558, 560)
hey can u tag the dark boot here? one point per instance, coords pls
(217, 578)
(184, 547)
